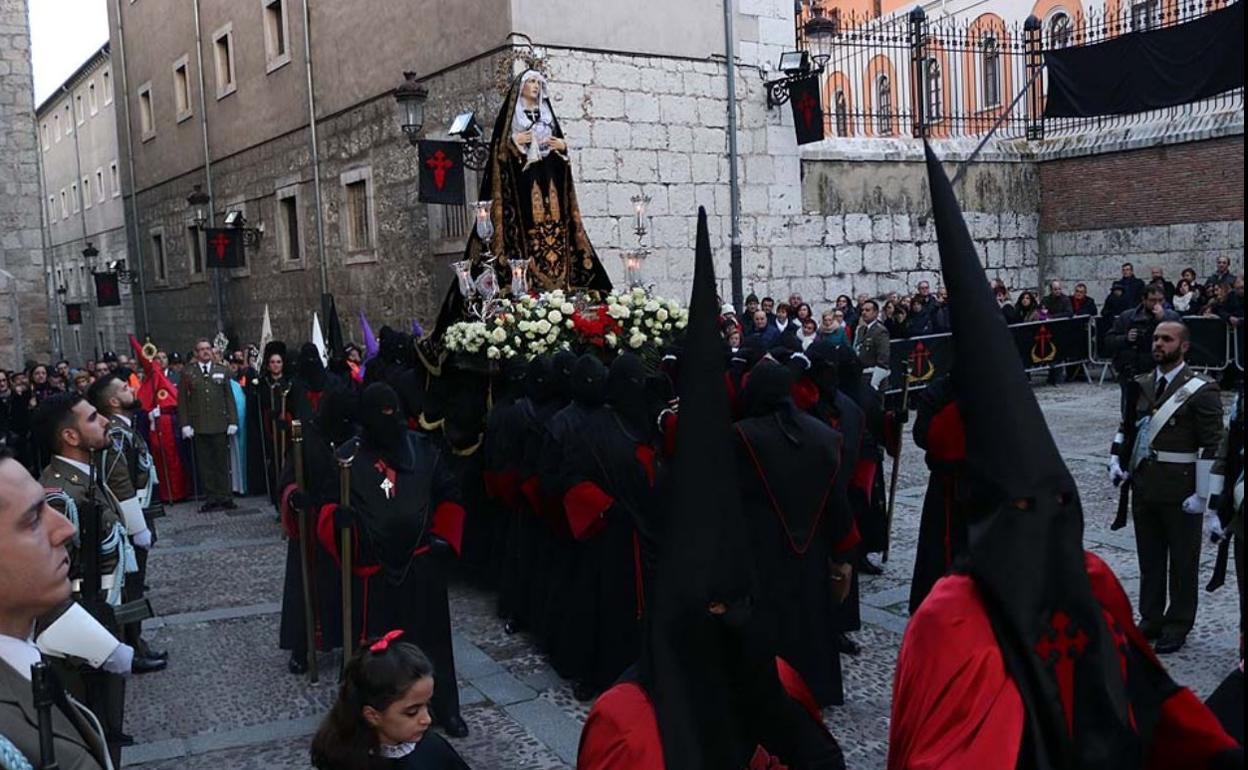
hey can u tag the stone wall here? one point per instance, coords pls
(23, 285)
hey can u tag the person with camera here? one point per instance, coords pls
(1130, 340)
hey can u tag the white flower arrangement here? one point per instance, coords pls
(536, 325)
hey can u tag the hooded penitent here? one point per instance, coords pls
(628, 396)
(714, 687)
(382, 424)
(1026, 538)
(309, 368)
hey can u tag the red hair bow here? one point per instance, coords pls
(384, 642)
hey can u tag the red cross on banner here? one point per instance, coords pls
(1043, 350)
(107, 290)
(807, 109)
(442, 172)
(225, 247)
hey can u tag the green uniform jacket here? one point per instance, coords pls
(871, 345)
(205, 402)
(125, 467)
(60, 476)
(1195, 427)
(77, 745)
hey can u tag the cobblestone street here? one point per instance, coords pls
(226, 701)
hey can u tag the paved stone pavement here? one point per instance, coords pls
(226, 701)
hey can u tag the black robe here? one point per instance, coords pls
(501, 474)
(556, 559)
(399, 578)
(609, 474)
(320, 474)
(524, 586)
(848, 419)
(793, 495)
(942, 528)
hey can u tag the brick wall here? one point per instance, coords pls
(1170, 184)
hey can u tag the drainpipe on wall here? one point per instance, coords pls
(137, 243)
(734, 188)
(49, 259)
(312, 140)
(203, 125)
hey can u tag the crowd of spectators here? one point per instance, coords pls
(925, 311)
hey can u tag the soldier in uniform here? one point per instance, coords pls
(72, 432)
(871, 343)
(209, 418)
(1225, 515)
(127, 467)
(1177, 437)
(34, 579)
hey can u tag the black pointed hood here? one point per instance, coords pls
(711, 678)
(1025, 543)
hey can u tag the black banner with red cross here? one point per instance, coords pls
(929, 357)
(441, 172)
(225, 247)
(807, 109)
(73, 314)
(107, 290)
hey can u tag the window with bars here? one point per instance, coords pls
(1059, 30)
(884, 106)
(991, 71)
(357, 215)
(1145, 15)
(288, 219)
(159, 266)
(194, 249)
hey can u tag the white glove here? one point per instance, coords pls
(1116, 474)
(187, 431)
(120, 661)
(142, 539)
(1194, 505)
(154, 414)
(231, 430)
(1213, 526)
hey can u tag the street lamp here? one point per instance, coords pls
(197, 200)
(410, 98)
(90, 252)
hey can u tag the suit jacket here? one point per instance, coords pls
(1195, 427)
(77, 745)
(206, 402)
(871, 344)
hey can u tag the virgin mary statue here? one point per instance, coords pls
(535, 216)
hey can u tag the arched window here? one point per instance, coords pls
(935, 92)
(884, 106)
(842, 113)
(991, 71)
(1059, 30)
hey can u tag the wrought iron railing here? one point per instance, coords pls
(908, 74)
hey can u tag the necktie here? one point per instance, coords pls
(204, 367)
(1161, 388)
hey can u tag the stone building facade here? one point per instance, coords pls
(23, 285)
(84, 209)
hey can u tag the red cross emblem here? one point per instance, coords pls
(108, 290)
(921, 366)
(1060, 647)
(1043, 350)
(807, 106)
(440, 165)
(219, 244)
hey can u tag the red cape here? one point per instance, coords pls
(956, 708)
(621, 732)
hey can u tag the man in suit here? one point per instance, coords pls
(34, 579)
(1176, 443)
(207, 412)
(871, 343)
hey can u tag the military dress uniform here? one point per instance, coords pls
(206, 404)
(130, 473)
(871, 345)
(1178, 434)
(70, 633)
(1226, 499)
